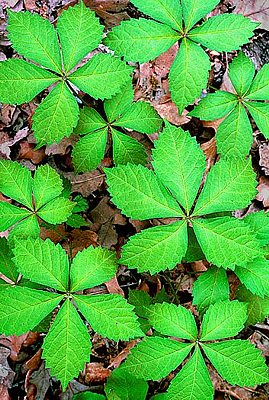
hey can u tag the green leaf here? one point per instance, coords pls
(25, 308)
(260, 114)
(81, 204)
(125, 386)
(89, 396)
(223, 319)
(80, 32)
(56, 116)
(56, 211)
(255, 276)
(234, 136)
(35, 38)
(76, 221)
(155, 357)
(215, 105)
(89, 121)
(10, 215)
(67, 346)
(188, 74)
(172, 320)
(216, 235)
(141, 40)
(156, 249)
(140, 117)
(194, 10)
(211, 286)
(47, 263)
(28, 227)
(241, 73)
(47, 185)
(259, 89)
(166, 11)
(193, 381)
(194, 251)
(230, 185)
(177, 160)
(102, 76)
(235, 28)
(7, 266)
(127, 150)
(89, 151)
(238, 362)
(141, 300)
(258, 309)
(20, 81)
(91, 267)
(116, 106)
(131, 186)
(110, 315)
(16, 182)
(258, 221)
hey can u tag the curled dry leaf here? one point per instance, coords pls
(257, 10)
(263, 189)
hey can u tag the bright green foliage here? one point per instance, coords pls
(237, 361)
(78, 32)
(259, 221)
(124, 386)
(41, 195)
(258, 309)
(67, 345)
(88, 396)
(121, 112)
(171, 192)
(255, 276)
(7, 266)
(234, 135)
(145, 39)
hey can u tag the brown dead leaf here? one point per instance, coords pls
(210, 150)
(264, 157)
(37, 383)
(5, 147)
(257, 10)
(80, 240)
(116, 361)
(263, 189)
(7, 375)
(27, 152)
(87, 183)
(170, 112)
(111, 11)
(95, 373)
(260, 341)
(14, 344)
(114, 287)
(62, 147)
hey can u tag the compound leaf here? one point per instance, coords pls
(241, 73)
(155, 357)
(258, 221)
(35, 38)
(110, 315)
(177, 160)
(156, 249)
(80, 32)
(20, 81)
(89, 121)
(230, 185)
(172, 320)
(193, 381)
(127, 150)
(116, 106)
(258, 309)
(47, 185)
(56, 116)
(16, 182)
(216, 235)
(10, 215)
(125, 386)
(47, 263)
(255, 276)
(260, 114)
(211, 286)
(188, 74)
(25, 307)
(194, 10)
(139, 194)
(215, 105)
(141, 40)
(67, 346)
(238, 362)
(91, 267)
(223, 319)
(235, 28)
(102, 76)
(56, 211)
(28, 227)
(259, 89)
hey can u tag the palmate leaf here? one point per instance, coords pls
(47, 263)
(20, 81)
(10, 215)
(127, 150)
(56, 211)
(259, 89)
(155, 357)
(47, 185)
(25, 307)
(223, 319)
(211, 286)
(141, 39)
(215, 105)
(216, 235)
(172, 320)
(177, 160)
(235, 28)
(194, 10)
(241, 73)
(186, 80)
(158, 248)
(67, 346)
(109, 315)
(258, 309)
(258, 221)
(238, 362)
(255, 276)
(102, 76)
(89, 121)
(125, 386)
(260, 114)
(25, 28)
(193, 381)
(7, 266)
(138, 192)
(116, 106)
(28, 227)
(56, 116)
(80, 32)
(91, 267)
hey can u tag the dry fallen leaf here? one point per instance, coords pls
(264, 157)
(263, 189)
(257, 10)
